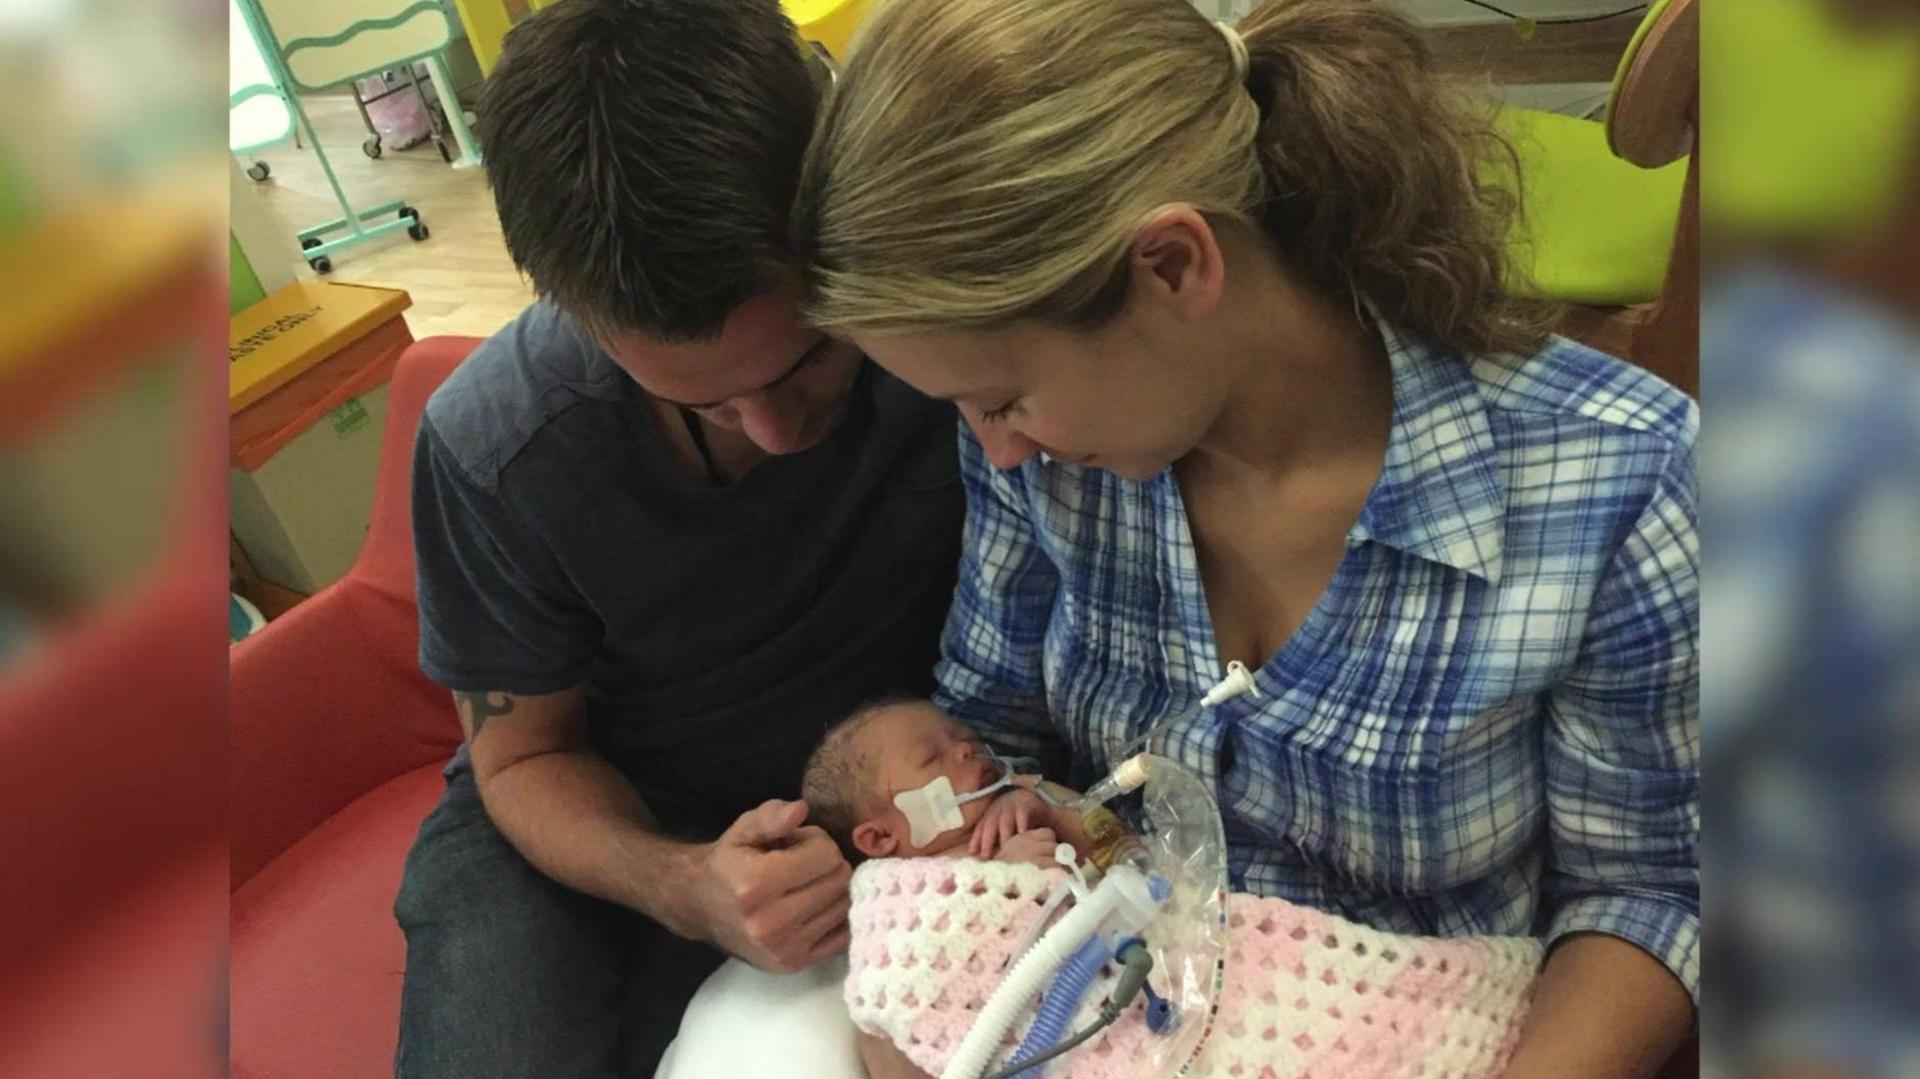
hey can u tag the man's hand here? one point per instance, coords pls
(1009, 814)
(771, 891)
(1035, 847)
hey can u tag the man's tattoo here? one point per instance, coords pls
(476, 708)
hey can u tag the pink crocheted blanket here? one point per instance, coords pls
(1305, 993)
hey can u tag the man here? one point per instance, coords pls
(665, 532)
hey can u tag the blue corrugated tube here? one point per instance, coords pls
(1062, 1001)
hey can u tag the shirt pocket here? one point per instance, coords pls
(1395, 804)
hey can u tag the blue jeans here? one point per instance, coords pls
(512, 974)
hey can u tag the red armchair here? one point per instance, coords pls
(336, 748)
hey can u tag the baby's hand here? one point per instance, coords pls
(1035, 847)
(1010, 814)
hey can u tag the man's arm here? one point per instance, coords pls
(497, 607)
(769, 890)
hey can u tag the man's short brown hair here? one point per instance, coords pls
(643, 156)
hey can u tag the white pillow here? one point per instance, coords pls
(747, 1024)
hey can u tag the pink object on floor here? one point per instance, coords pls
(1305, 993)
(398, 112)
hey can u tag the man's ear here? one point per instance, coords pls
(874, 839)
(1177, 262)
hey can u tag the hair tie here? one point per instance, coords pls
(1241, 61)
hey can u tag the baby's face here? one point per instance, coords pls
(907, 747)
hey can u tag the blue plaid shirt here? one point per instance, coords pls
(1488, 723)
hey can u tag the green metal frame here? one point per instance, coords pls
(469, 155)
(248, 93)
(361, 26)
(354, 223)
(443, 84)
(429, 55)
(303, 44)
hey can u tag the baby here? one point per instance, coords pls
(892, 781)
(903, 745)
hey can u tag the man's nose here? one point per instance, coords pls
(774, 420)
(1004, 446)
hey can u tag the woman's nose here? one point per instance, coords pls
(1004, 446)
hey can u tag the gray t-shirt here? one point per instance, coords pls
(718, 629)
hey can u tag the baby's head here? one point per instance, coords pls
(897, 744)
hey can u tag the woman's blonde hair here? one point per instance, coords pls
(989, 161)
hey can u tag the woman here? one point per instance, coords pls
(1224, 314)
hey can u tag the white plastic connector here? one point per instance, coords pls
(1132, 905)
(1132, 773)
(1064, 854)
(1239, 680)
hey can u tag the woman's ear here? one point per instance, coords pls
(1177, 263)
(874, 839)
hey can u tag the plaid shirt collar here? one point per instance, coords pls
(1439, 496)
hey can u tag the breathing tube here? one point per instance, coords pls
(1160, 909)
(1135, 964)
(1058, 1007)
(1122, 901)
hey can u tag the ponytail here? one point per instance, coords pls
(1381, 180)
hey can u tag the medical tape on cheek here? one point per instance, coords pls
(934, 810)
(930, 810)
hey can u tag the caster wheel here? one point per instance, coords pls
(408, 211)
(308, 243)
(371, 147)
(418, 231)
(446, 152)
(259, 171)
(323, 264)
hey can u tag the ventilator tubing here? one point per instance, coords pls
(1122, 904)
(1062, 1001)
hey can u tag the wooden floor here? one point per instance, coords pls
(460, 277)
(462, 281)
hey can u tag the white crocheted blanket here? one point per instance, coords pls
(1305, 993)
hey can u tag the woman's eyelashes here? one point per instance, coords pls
(997, 414)
(818, 352)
